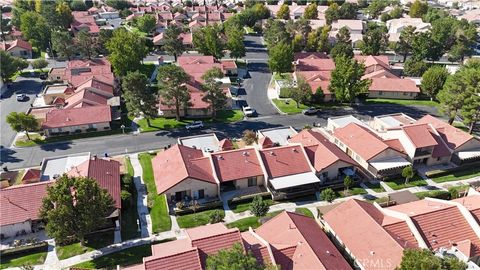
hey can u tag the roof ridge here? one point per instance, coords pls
(192, 248)
(230, 231)
(27, 185)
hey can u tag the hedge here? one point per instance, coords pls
(24, 249)
(249, 198)
(208, 206)
(439, 173)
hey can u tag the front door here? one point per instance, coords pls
(179, 196)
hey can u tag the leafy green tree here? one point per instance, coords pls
(126, 49)
(425, 259)
(139, 99)
(35, 29)
(216, 216)
(118, 4)
(283, 12)
(173, 44)
(62, 43)
(10, 65)
(78, 5)
(348, 11)
(63, 14)
(346, 82)
(76, 213)
(207, 41)
(332, 13)
(275, 32)
(280, 58)
(343, 36)
(408, 173)
(214, 94)
(311, 12)
(347, 182)
(249, 137)
(302, 93)
(328, 195)
(323, 42)
(341, 49)
(172, 88)
(414, 68)
(86, 44)
(404, 44)
(376, 7)
(232, 259)
(312, 41)
(22, 122)
(259, 207)
(385, 17)
(298, 43)
(146, 23)
(235, 42)
(433, 80)
(470, 110)
(5, 26)
(418, 9)
(103, 37)
(39, 63)
(375, 40)
(396, 13)
(19, 8)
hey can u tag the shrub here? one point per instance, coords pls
(259, 207)
(216, 216)
(39, 63)
(125, 195)
(328, 195)
(285, 92)
(249, 137)
(180, 205)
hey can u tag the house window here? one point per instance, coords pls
(380, 93)
(201, 193)
(336, 141)
(92, 125)
(324, 175)
(252, 181)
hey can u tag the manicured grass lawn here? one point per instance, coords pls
(129, 166)
(38, 140)
(351, 192)
(375, 187)
(159, 211)
(404, 102)
(433, 194)
(399, 182)
(22, 259)
(244, 223)
(93, 242)
(290, 108)
(282, 76)
(460, 175)
(304, 211)
(242, 207)
(458, 189)
(228, 116)
(197, 219)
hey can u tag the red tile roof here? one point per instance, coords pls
(309, 55)
(178, 163)
(83, 20)
(419, 135)
(315, 65)
(85, 96)
(22, 202)
(265, 142)
(321, 152)
(201, 59)
(472, 203)
(284, 161)
(31, 176)
(402, 234)
(97, 83)
(105, 172)
(188, 260)
(14, 44)
(372, 61)
(236, 164)
(225, 145)
(258, 248)
(452, 136)
(393, 85)
(58, 118)
(229, 64)
(395, 144)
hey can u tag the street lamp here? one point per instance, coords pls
(123, 128)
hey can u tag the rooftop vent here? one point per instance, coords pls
(245, 153)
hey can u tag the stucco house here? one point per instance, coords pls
(17, 48)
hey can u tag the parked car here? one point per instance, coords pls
(310, 111)
(22, 97)
(43, 76)
(249, 112)
(194, 125)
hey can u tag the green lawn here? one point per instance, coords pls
(460, 175)
(242, 207)
(290, 108)
(304, 211)
(351, 192)
(282, 76)
(129, 209)
(399, 182)
(433, 194)
(375, 187)
(197, 219)
(92, 242)
(228, 116)
(22, 259)
(244, 223)
(159, 211)
(404, 102)
(129, 166)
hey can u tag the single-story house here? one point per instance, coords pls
(395, 88)
(18, 48)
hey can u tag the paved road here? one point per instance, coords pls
(9, 103)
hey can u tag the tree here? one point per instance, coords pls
(298, 43)
(323, 42)
(404, 44)
(39, 63)
(425, 259)
(332, 13)
(259, 207)
(214, 94)
(173, 44)
(207, 41)
(63, 14)
(78, 5)
(418, 9)
(414, 68)
(280, 58)
(312, 41)
(348, 11)
(376, 7)
(311, 12)
(249, 137)
(35, 29)
(118, 4)
(424, 46)
(216, 216)
(19, 8)
(283, 12)
(346, 82)
(235, 42)
(302, 93)
(328, 195)
(103, 37)
(22, 122)
(146, 23)
(275, 33)
(343, 36)
(232, 259)
(139, 99)
(62, 44)
(347, 182)
(86, 44)
(10, 65)
(75, 206)
(375, 40)
(342, 49)
(470, 82)
(433, 80)
(126, 51)
(408, 173)
(172, 81)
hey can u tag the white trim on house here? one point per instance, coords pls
(294, 180)
(390, 163)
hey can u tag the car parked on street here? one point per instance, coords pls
(194, 125)
(311, 111)
(22, 97)
(249, 112)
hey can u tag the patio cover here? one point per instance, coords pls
(468, 154)
(294, 180)
(389, 163)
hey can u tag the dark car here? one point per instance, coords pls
(310, 111)
(43, 76)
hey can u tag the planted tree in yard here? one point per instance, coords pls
(343, 45)
(172, 88)
(376, 7)
(433, 80)
(35, 29)
(283, 12)
(235, 42)
(215, 216)
(75, 206)
(86, 44)
(346, 82)
(10, 65)
(146, 23)
(418, 9)
(323, 42)
(415, 68)
(425, 259)
(311, 12)
(249, 137)
(127, 50)
(139, 98)
(39, 63)
(173, 44)
(404, 44)
(63, 15)
(207, 41)
(328, 195)
(234, 258)
(259, 207)
(347, 182)
(302, 93)
(214, 94)
(332, 13)
(62, 43)
(408, 173)
(375, 40)
(22, 122)
(281, 58)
